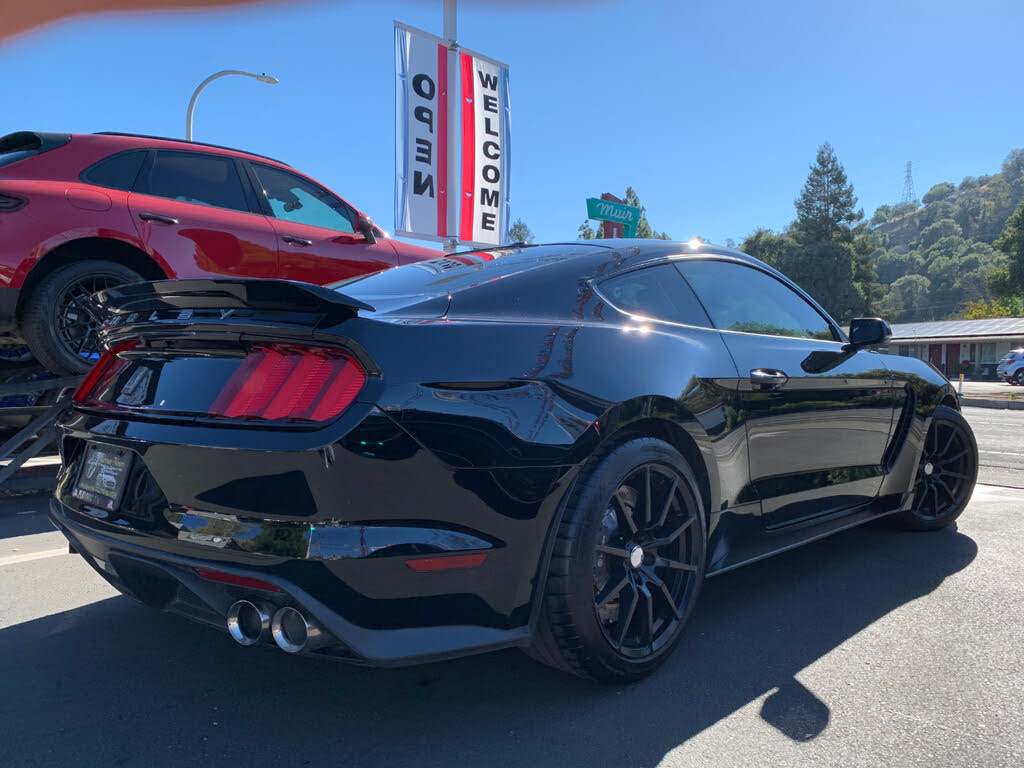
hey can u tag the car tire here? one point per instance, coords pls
(603, 616)
(946, 474)
(1019, 378)
(49, 306)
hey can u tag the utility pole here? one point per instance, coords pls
(450, 28)
(908, 185)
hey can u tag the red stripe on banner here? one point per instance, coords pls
(468, 149)
(442, 141)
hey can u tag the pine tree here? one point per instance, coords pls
(824, 210)
(643, 227)
(520, 232)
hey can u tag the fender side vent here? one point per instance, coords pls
(899, 435)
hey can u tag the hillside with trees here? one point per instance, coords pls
(944, 257)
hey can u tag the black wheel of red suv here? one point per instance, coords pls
(60, 333)
(627, 566)
(946, 473)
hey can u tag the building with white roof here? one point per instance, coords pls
(972, 347)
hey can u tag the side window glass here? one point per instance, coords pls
(117, 171)
(741, 298)
(655, 292)
(294, 199)
(194, 178)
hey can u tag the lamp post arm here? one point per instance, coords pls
(195, 95)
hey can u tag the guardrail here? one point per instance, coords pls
(32, 439)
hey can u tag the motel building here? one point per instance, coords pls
(971, 347)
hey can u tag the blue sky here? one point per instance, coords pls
(712, 111)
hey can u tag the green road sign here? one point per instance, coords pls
(605, 210)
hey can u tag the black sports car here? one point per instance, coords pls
(548, 447)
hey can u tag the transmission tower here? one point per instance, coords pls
(908, 185)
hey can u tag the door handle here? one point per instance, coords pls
(157, 217)
(767, 378)
(296, 240)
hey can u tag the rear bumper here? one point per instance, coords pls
(8, 309)
(169, 581)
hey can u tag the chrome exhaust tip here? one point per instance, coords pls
(248, 622)
(294, 633)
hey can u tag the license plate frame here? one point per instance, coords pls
(102, 476)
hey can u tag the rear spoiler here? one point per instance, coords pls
(32, 140)
(224, 294)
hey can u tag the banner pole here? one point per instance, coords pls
(454, 195)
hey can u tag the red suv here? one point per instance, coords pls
(79, 213)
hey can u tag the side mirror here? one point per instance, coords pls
(366, 227)
(868, 332)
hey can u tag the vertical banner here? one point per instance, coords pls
(422, 133)
(486, 150)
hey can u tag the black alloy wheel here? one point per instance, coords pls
(58, 329)
(76, 328)
(644, 569)
(1019, 378)
(946, 473)
(627, 565)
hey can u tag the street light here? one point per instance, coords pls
(263, 78)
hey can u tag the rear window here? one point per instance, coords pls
(117, 171)
(15, 147)
(657, 292)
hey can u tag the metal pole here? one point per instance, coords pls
(451, 35)
(210, 79)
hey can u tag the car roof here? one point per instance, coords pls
(165, 142)
(567, 262)
(630, 253)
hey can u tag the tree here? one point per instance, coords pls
(892, 265)
(519, 232)
(825, 209)
(1008, 281)
(935, 212)
(907, 299)
(902, 209)
(939, 230)
(643, 228)
(586, 232)
(942, 191)
(767, 246)
(1013, 172)
(830, 259)
(882, 214)
(826, 271)
(982, 309)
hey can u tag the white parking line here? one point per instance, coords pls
(12, 559)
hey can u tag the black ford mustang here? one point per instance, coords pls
(548, 447)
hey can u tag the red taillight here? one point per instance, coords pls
(105, 371)
(286, 383)
(236, 580)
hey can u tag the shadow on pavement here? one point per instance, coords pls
(113, 683)
(34, 520)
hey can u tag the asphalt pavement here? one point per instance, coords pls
(874, 647)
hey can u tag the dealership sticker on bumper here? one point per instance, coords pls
(102, 478)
